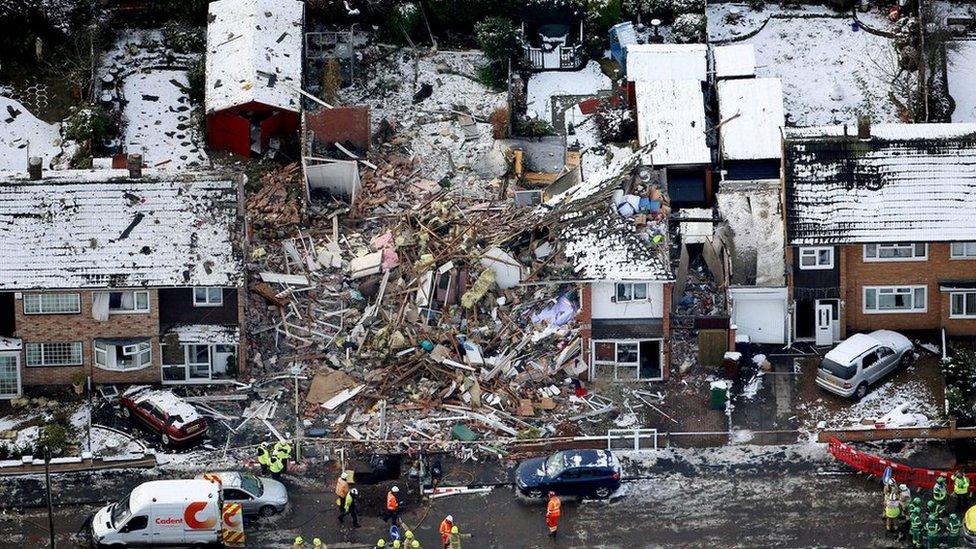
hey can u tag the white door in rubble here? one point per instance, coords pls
(825, 325)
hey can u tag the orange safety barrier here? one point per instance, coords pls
(903, 474)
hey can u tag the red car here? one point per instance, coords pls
(174, 419)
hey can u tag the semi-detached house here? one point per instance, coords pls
(123, 279)
(881, 230)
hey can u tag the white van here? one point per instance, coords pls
(161, 512)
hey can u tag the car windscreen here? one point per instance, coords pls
(252, 485)
(843, 371)
(554, 465)
(120, 511)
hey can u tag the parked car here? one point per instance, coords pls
(570, 472)
(175, 421)
(862, 360)
(257, 495)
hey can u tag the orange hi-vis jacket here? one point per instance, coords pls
(552, 510)
(391, 502)
(446, 530)
(342, 488)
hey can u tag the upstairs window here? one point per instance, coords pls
(816, 258)
(631, 291)
(208, 297)
(46, 304)
(963, 250)
(896, 251)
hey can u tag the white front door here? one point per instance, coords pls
(825, 326)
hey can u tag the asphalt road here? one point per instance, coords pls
(791, 505)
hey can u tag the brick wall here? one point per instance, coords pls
(586, 322)
(856, 274)
(61, 328)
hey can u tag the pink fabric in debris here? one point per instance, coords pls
(384, 243)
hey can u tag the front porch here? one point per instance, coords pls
(194, 354)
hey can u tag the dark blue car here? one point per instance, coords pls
(594, 473)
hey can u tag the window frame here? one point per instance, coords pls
(142, 357)
(40, 303)
(632, 293)
(135, 302)
(894, 290)
(965, 256)
(208, 301)
(44, 364)
(894, 245)
(815, 251)
(966, 296)
(616, 364)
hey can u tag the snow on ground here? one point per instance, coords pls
(22, 135)
(908, 404)
(434, 134)
(842, 86)
(961, 64)
(157, 120)
(752, 388)
(636, 463)
(543, 85)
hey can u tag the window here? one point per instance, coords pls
(125, 302)
(54, 354)
(620, 360)
(816, 258)
(963, 250)
(45, 304)
(963, 305)
(123, 356)
(894, 299)
(896, 251)
(136, 523)
(233, 494)
(631, 291)
(9, 375)
(208, 297)
(869, 360)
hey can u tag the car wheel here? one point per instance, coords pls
(861, 391)
(126, 413)
(602, 492)
(535, 493)
(165, 438)
(267, 511)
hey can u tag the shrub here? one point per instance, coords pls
(533, 127)
(689, 6)
(498, 38)
(501, 123)
(55, 437)
(403, 18)
(663, 9)
(689, 28)
(89, 122)
(494, 76)
(184, 39)
(196, 78)
(615, 124)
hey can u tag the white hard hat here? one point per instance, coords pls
(354, 492)
(394, 489)
(450, 518)
(904, 487)
(344, 475)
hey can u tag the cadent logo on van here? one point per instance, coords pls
(191, 519)
(169, 521)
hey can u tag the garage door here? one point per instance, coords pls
(760, 314)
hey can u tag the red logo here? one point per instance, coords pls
(190, 516)
(169, 521)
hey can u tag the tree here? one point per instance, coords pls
(498, 38)
(689, 28)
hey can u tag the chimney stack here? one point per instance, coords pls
(35, 167)
(134, 162)
(864, 127)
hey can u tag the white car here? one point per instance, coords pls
(862, 360)
(257, 495)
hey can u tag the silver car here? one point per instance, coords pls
(862, 360)
(257, 495)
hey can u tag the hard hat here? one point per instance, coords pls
(381, 543)
(931, 504)
(953, 516)
(409, 534)
(415, 544)
(394, 489)
(354, 491)
(903, 487)
(299, 540)
(344, 475)
(917, 500)
(454, 530)
(552, 494)
(316, 542)
(396, 544)
(450, 518)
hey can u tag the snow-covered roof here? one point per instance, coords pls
(98, 229)
(672, 113)
(626, 33)
(206, 333)
(757, 107)
(607, 246)
(733, 61)
(254, 53)
(908, 182)
(650, 62)
(10, 344)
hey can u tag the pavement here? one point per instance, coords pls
(742, 496)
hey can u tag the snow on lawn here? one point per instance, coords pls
(830, 71)
(157, 120)
(897, 404)
(22, 134)
(962, 79)
(543, 85)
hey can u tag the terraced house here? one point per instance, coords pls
(120, 277)
(881, 230)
